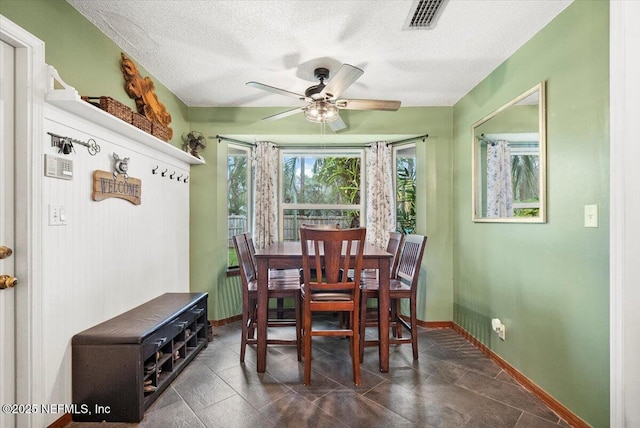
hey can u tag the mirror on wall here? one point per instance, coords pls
(509, 167)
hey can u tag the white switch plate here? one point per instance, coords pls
(590, 216)
(57, 215)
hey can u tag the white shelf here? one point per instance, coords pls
(69, 100)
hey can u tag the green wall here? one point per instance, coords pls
(84, 57)
(548, 283)
(209, 192)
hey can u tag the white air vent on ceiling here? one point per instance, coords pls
(424, 13)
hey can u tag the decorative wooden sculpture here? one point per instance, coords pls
(143, 91)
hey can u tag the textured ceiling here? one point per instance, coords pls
(205, 51)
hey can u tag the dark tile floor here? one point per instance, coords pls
(452, 384)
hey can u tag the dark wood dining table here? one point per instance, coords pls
(288, 255)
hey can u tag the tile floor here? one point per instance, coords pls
(452, 384)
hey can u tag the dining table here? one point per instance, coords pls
(288, 255)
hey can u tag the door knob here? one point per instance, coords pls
(5, 252)
(7, 281)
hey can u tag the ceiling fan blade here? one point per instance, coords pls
(275, 90)
(337, 125)
(283, 114)
(344, 77)
(388, 105)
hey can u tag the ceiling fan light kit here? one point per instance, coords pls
(321, 111)
(323, 101)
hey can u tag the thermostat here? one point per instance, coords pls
(58, 167)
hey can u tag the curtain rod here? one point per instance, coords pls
(233, 140)
(423, 137)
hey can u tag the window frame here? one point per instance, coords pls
(394, 160)
(523, 149)
(249, 178)
(324, 152)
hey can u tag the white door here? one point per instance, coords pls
(7, 265)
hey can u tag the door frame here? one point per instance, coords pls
(624, 39)
(31, 83)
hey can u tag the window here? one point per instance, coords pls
(320, 188)
(239, 196)
(525, 177)
(405, 185)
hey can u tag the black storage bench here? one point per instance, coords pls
(119, 367)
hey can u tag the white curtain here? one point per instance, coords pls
(381, 213)
(265, 191)
(499, 188)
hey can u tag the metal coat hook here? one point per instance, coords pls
(155, 170)
(171, 175)
(179, 178)
(164, 172)
(186, 179)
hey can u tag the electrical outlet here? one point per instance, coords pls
(498, 327)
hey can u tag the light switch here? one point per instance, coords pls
(590, 216)
(57, 215)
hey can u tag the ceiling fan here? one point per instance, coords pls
(323, 100)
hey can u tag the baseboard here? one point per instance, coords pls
(62, 421)
(433, 324)
(567, 415)
(218, 323)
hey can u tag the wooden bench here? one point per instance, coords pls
(120, 367)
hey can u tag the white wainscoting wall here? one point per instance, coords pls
(111, 255)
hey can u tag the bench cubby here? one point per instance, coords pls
(121, 366)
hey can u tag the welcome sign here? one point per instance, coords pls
(106, 186)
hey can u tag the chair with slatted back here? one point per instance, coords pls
(369, 315)
(279, 287)
(393, 245)
(332, 252)
(280, 274)
(318, 226)
(403, 285)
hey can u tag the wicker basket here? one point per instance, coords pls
(111, 106)
(160, 131)
(140, 121)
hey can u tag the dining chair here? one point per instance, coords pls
(370, 315)
(402, 285)
(278, 287)
(317, 226)
(273, 273)
(332, 251)
(393, 245)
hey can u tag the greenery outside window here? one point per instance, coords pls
(404, 159)
(525, 173)
(320, 188)
(239, 196)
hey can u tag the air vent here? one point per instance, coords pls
(424, 14)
